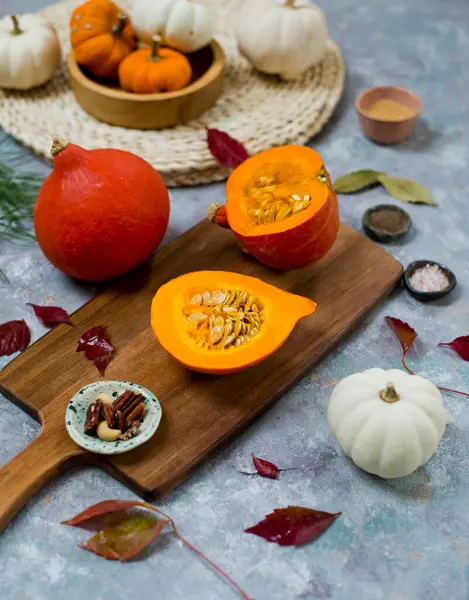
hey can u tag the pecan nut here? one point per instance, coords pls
(93, 417)
(136, 414)
(123, 399)
(109, 415)
(131, 406)
(120, 421)
(131, 431)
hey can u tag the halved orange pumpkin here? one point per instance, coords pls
(281, 205)
(220, 322)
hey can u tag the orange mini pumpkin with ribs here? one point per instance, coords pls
(281, 206)
(148, 71)
(101, 36)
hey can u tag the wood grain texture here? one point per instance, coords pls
(200, 412)
(110, 104)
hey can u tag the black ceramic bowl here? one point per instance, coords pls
(382, 234)
(427, 296)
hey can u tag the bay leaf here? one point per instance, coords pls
(356, 181)
(406, 190)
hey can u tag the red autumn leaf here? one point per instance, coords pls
(97, 347)
(264, 467)
(293, 526)
(404, 332)
(14, 337)
(102, 508)
(126, 539)
(228, 151)
(50, 316)
(459, 345)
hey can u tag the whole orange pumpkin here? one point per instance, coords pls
(100, 213)
(148, 71)
(101, 36)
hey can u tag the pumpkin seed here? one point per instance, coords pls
(217, 319)
(196, 299)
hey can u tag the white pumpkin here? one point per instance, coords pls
(182, 24)
(29, 52)
(281, 37)
(388, 422)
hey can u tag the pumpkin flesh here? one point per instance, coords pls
(281, 205)
(201, 347)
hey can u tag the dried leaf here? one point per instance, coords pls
(50, 316)
(97, 347)
(404, 332)
(102, 508)
(228, 151)
(14, 337)
(459, 345)
(121, 535)
(406, 190)
(264, 467)
(356, 181)
(127, 539)
(293, 526)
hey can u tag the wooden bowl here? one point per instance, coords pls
(107, 102)
(387, 131)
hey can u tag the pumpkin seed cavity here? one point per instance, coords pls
(270, 195)
(222, 319)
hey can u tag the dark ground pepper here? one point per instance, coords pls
(387, 221)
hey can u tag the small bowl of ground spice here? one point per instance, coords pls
(428, 280)
(386, 222)
(387, 114)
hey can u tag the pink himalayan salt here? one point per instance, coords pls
(429, 278)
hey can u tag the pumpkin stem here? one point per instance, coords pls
(57, 146)
(217, 214)
(289, 4)
(16, 26)
(155, 48)
(389, 394)
(119, 26)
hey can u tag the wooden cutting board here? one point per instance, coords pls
(200, 412)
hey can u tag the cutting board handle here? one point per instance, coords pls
(30, 470)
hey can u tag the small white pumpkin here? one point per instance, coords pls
(29, 52)
(388, 422)
(281, 37)
(182, 24)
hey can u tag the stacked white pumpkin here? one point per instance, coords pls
(29, 52)
(388, 422)
(182, 24)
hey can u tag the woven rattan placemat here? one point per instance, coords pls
(258, 110)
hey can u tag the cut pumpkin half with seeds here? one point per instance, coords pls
(281, 205)
(220, 322)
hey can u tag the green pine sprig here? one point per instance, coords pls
(18, 191)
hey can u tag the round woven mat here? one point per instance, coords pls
(260, 111)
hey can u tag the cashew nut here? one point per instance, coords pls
(106, 433)
(105, 398)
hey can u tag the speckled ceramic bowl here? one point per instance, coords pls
(387, 131)
(75, 415)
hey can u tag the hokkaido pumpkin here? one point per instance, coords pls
(101, 36)
(147, 71)
(220, 322)
(281, 206)
(100, 213)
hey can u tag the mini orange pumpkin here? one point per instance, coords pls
(101, 36)
(147, 71)
(281, 205)
(220, 322)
